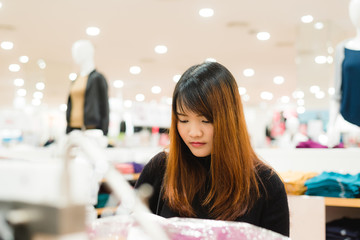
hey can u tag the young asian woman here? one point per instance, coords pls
(210, 169)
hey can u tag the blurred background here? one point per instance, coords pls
(281, 53)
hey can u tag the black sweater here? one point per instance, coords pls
(96, 106)
(270, 211)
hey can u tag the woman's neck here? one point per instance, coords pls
(205, 161)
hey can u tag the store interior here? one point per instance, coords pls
(283, 55)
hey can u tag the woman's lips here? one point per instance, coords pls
(197, 144)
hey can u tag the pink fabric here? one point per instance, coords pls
(312, 144)
(125, 168)
(182, 229)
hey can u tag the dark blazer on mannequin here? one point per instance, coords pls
(96, 106)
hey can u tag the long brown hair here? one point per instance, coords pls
(210, 90)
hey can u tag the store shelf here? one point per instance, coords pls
(342, 202)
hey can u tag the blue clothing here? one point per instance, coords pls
(332, 184)
(350, 87)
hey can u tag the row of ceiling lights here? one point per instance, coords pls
(19, 82)
(162, 49)
(263, 36)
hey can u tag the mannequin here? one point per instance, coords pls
(345, 105)
(292, 135)
(88, 104)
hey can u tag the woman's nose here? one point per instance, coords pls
(195, 131)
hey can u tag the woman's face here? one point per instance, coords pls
(197, 133)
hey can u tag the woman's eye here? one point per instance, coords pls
(183, 121)
(205, 121)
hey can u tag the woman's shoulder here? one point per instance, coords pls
(269, 178)
(159, 160)
(154, 170)
(157, 164)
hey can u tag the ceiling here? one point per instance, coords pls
(130, 29)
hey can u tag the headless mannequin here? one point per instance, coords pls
(337, 124)
(88, 106)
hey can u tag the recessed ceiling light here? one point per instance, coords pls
(161, 49)
(242, 90)
(321, 59)
(118, 84)
(279, 80)
(206, 12)
(320, 95)
(307, 19)
(6, 45)
(21, 92)
(19, 82)
(72, 76)
(314, 89)
(40, 86)
(210, 60)
(140, 97)
(176, 78)
(135, 70)
(249, 72)
(92, 31)
(266, 95)
(156, 89)
(14, 67)
(319, 25)
(41, 63)
(330, 50)
(24, 59)
(331, 91)
(263, 36)
(38, 95)
(0, 5)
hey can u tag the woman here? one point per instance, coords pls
(211, 170)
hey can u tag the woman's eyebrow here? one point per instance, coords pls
(181, 114)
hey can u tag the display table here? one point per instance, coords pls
(342, 202)
(309, 214)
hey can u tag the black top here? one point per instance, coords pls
(270, 211)
(96, 106)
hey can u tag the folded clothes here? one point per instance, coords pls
(294, 181)
(312, 144)
(344, 228)
(332, 184)
(129, 168)
(125, 168)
